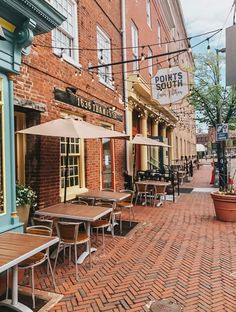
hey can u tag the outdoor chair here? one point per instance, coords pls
(159, 192)
(127, 203)
(102, 223)
(37, 259)
(142, 190)
(69, 234)
(78, 201)
(44, 222)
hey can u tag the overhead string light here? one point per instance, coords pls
(189, 46)
(142, 55)
(170, 68)
(61, 55)
(101, 56)
(208, 45)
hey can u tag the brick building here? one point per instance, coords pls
(54, 82)
(154, 28)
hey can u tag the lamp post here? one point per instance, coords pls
(222, 162)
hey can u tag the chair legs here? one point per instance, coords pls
(76, 265)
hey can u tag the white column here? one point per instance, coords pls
(155, 149)
(143, 149)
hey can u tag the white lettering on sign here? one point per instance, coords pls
(170, 87)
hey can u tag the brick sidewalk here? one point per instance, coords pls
(178, 251)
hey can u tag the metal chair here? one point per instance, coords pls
(37, 259)
(142, 190)
(127, 203)
(159, 191)
(103, 223)
(70, 235)
(42, 222)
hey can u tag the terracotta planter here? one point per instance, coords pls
(23, 213)
(225, 206)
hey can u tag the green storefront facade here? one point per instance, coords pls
(20, 21)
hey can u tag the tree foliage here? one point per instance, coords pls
(214, 103)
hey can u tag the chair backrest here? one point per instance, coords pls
(160, 189)
(141, 187)
(68, 230)
(39, 230)
(107, 190)
(130, 198)
(78, 201)
(43, 222)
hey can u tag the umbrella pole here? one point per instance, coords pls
(67, 165)
(134, 162)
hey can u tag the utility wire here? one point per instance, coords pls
(125, 48)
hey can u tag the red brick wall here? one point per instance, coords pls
(136, 12)
(42, 71)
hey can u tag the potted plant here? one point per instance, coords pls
(25, 199)
(225, 204)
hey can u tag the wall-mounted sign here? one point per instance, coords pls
(170, 86)
(88, 105)
(222, 131)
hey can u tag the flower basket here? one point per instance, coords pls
(225, 206)
(25, 199)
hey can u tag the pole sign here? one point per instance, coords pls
(222, 131)
(170, 85)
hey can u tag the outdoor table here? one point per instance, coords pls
(76, 212)
(153, 183)
(15, 248)
(104, 195)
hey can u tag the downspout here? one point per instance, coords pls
(125, 83)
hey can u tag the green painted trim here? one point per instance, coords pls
(13, 228)
(44, 15)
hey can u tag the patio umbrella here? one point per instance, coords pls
(72, 128)
(139, 139)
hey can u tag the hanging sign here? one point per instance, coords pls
(222, 131)
(169, 85)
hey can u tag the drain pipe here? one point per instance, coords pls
(125, 83)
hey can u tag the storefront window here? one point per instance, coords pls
(1, 152)
(73, 163)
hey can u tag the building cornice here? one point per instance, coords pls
(42, 13)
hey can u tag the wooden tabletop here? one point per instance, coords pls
(16, 247)
(153, 182)
(112, 196)
(74, 211)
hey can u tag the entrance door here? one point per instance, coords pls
(107, 164)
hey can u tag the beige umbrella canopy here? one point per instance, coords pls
(72, 128)
(141, 140)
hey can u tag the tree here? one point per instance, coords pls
(214, 103)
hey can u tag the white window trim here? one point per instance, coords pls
(74, 61)
(105, 35)
(150, 63)
(148, 13)
(135, 49)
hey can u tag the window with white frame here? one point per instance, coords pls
(104, 57)
(158, 33)
(135, 50)
(150, 62)
(148, 11)
(65, 37)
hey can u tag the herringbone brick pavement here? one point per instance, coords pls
(178, 251)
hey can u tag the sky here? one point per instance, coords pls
(206, 15)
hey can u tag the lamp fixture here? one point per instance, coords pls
(2, 36)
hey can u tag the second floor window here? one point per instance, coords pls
(104, 57)
(65, 37)
(148, 11)
(158, 33)
(150, 62)
(135, 50)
